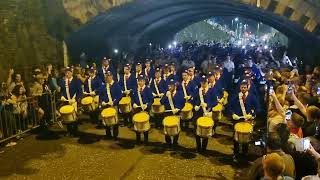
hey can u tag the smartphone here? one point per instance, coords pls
(271, 90)
(257, 143)
(302, 144)
(288, 115)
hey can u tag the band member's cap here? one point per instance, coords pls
(171, 82)
(166, 65)
(139, 63)
(91, 69)
(203, 79)
(127, 65)
(172, 64)
(244, 82)
(109, 73)
(68, 69)
(141, 77)
(106, 59)
(210, 73)
(148, 61)
(158, 69)
(185, 71)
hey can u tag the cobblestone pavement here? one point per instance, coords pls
(54, 156)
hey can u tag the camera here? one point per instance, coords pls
(288, 115)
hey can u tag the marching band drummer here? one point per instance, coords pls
(243, 107)
(138, 70)
(205, 100)
(127, 83)
(110, 95)
(167, 73)
(158, 87)
(189, 89)
(192, 76)
(149, 71)
(71, 92)
(142, 100)
(173, 102)
(92, 86)
(105, 67)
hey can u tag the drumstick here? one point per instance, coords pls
(171, 110)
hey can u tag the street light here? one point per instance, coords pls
(175, 43)
(150, 44)
(236, 19)
(170, 46)
(116, 51)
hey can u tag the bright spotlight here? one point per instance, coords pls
(236, 19)
(271, 51)
(116, 51)
(265, 47)
(170, 46)
(243, 47)
(150, 44)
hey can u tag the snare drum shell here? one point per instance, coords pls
(242, 138)
(157, 108)
(110, 121)
(125, 108)
(172, 131)
(186, 115)
(204, 131)
(69, 118)
(142, 126)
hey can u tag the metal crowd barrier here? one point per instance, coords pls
(16, 120)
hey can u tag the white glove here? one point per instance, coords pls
(93, 93)
(161, 95)
(135, 106)
(187, 97)
(72, 101)
(110, 103)
(144, 106)
(235, 117)
(154, 94)
(175, 111)
(248, 117)
(63, 98)
(204, 105)
(196, 108)
(104, 103)
(127, 92)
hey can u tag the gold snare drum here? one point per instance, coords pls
(243, 132)
(204, 126)
(186, 112)
(68, 114)
(109, 116)
(171, 125)
(157, 107)
(125, 105)
(89, 104)
(141, 121)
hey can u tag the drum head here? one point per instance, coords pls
(109, 112)
(187, 107)
(243, 127)
(87, 100)
(141, 117)
(205, 122)
(171, 121)
(68, 109)
(125, 100)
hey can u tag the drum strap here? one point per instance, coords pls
(184, 89)
(140, 99)
(125, 82)
(68, 90)
(156, 86)
(202, 100)
(170, 101)
(243, 108)
(109, 93)
(89, 84)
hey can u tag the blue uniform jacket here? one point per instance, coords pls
(146, 96)
(131, 82)
(162, 86)
(191, 89)
(251, 104)
(210, 98)
(178, 101)
(75, 88)
(101, 75)
(115, 91)
(95, 85)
